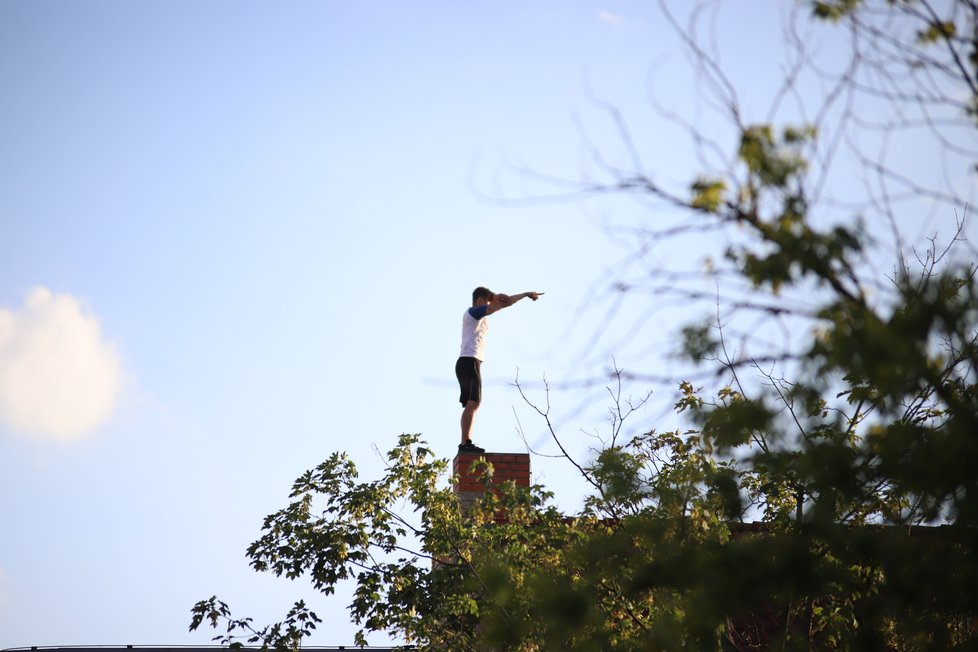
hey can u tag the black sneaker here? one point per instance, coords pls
(469, 447)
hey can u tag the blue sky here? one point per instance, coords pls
(238, 236)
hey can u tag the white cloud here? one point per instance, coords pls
(58, 377)
(608, 17)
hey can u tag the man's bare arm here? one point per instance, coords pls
(500, 301)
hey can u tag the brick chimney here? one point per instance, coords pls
(506, 466)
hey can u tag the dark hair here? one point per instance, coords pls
(481, 292)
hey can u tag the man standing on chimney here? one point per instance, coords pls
(468, 368)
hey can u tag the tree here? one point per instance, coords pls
(850, 442)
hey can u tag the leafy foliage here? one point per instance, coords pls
(833, 504)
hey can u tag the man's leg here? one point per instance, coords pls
(468, 412)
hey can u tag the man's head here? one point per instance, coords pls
(481, 295)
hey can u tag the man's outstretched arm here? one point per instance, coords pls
(500, 301)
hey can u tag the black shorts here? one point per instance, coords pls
(469, 374)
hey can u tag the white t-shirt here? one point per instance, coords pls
(474, 329)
